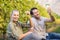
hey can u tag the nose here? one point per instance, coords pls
(37, 13)
(16, 16)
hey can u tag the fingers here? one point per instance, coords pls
(49, 10)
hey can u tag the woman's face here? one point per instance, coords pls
(15, 16)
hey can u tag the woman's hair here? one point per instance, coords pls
(14, 11)
(12, 14)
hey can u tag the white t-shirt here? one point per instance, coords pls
(39, 27)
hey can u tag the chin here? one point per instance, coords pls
(15, 20)
(38, 16)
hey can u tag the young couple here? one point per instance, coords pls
(37, 24)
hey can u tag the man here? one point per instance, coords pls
(37, 23)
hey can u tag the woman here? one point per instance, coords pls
(14, 29)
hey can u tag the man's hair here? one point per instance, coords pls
(31, 11)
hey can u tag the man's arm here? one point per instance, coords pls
(51, 16)
(31, 25)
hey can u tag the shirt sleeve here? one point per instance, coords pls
(46, 19)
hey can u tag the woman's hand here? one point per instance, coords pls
(23, 35)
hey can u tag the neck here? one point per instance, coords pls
(15, 21)
(37, 18)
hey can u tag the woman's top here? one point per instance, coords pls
(14, 30)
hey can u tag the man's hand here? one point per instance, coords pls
(51, 16)
(49, 10)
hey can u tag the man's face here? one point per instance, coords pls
(36, 13)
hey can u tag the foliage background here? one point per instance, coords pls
(6, 6)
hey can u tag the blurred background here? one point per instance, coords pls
(6, 6)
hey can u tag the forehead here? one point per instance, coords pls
(35, 10)
(15, 12)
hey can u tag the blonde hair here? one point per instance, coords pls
(12, 14)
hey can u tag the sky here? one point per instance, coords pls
(54, 4)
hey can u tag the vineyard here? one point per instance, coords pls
(6, 6)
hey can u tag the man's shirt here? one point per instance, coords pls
(39, 29)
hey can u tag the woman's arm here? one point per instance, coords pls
(19, 37)
(30, 31)
(23, 35)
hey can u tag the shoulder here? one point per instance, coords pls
(10, 23)
(32, 19)
(43, 17)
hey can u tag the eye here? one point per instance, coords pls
(37, 11)
(14, 14)
(17, 15)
